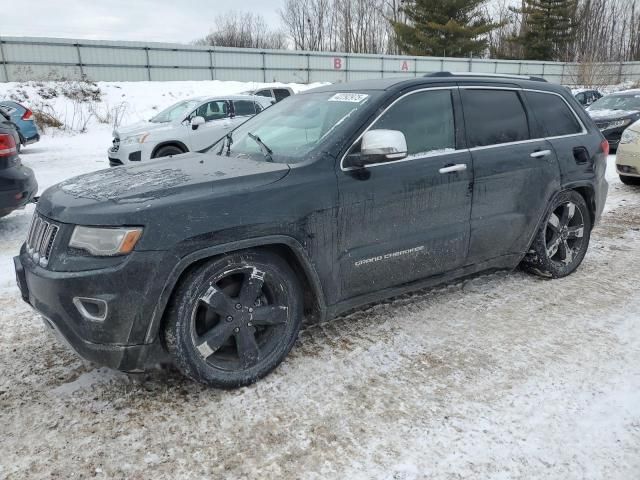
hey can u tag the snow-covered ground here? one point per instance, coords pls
(503, 376)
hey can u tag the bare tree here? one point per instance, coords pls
(356, 26)
(244, 30)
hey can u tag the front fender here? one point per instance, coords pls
(186, 261)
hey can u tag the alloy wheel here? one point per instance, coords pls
(564, 233)
(240, 319)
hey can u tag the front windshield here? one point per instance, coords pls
(290, 129)
(617, 102)
(175, 112)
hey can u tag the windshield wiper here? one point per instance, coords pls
(265, 150)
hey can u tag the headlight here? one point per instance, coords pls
(135, 139)
(105, 242)
(630, 136)
(618, 124)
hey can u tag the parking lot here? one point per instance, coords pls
(496, 377)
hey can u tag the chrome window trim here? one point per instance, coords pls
(483, 147)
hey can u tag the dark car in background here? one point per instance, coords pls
(17, 182)
(10, 127)
(335, 198)
(586, 97)
(614, 113)
(23, 118)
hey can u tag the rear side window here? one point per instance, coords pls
(264, 93)
(425, 118)
(553, 114)
(493, 117)
(280, 93)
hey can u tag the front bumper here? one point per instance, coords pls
(125, 154)
(118, 341)
(18, 186)
(628, 160)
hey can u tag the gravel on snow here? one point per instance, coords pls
(499, 377)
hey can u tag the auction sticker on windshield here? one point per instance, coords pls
(349, 97)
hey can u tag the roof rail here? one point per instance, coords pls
(490, 75)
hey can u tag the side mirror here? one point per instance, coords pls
(379, 146)
(196, 122)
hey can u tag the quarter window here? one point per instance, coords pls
(553, 114)
(493, 117)
(425, 118)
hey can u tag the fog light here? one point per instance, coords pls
(92, 309)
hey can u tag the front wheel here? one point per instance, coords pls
(234, 319)
(563, 239)
(168, 151)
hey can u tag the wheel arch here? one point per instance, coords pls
(173, 143)
(290, 249)
(586, 190)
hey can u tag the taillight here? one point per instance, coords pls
(7, 145)
(605, 147)
(27, 115)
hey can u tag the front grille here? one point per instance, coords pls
(40, 240)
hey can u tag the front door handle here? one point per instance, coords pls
(460, 167)
(541, 154)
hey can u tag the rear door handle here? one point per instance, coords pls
(460, 167)
(541, 154)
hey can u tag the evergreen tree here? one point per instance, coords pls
(455, 28)
(548, 27)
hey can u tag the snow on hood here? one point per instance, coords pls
(162, 178)
(605, 113)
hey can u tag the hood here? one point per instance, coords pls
(121, 195)
(141, 127)
(606, 114)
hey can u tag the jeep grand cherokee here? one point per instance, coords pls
(340, 196)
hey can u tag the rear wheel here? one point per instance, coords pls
(562, 241)
(167, 151)
(630, 180)
(234, 319)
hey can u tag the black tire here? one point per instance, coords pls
(563, 239)
(234, 319)
(629, 180)
(168, 150)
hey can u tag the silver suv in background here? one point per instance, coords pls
(187, 126)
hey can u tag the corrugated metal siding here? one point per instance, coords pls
(24, 58)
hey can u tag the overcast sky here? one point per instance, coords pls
(152, 20)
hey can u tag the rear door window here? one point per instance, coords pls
(553, 114)
(245, 107)
(280, 93)
(494, 117)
